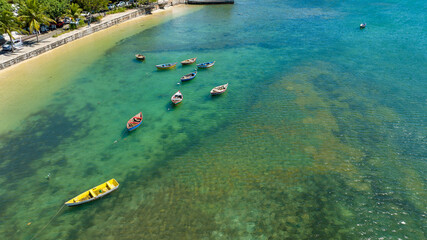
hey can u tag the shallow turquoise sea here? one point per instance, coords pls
(321, 134)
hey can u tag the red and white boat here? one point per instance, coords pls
(134, 122)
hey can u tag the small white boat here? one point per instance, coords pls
(177, 98)
(189, 61)
(140, 57)
(206, 64)
(219, 90)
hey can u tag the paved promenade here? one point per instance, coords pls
(47, 42)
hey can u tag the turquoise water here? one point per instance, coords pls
(321, 134)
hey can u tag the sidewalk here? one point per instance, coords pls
(48, 42)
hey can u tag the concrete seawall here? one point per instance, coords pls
(41, 48)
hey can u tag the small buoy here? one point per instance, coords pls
(28, 224)
(115, 141)
(178, 83)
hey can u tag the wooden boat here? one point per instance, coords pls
(140, 57)
(177, 98)
(189, 61)
(94, 193)
(134, 122)
(166, 66)
(362, 25)
(206, 64)
(190, 76)
(219, 90)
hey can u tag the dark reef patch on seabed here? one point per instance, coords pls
(41, 134)
(317, 216)
(365, 125)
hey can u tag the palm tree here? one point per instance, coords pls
(9, 23)
(33, 14)
(74, 11)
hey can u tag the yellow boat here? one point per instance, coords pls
(94, 193)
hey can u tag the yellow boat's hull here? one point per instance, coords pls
(94, 193)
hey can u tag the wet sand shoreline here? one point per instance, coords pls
(34, 50)
(25, 87)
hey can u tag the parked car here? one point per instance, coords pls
(2, 40)
(44, 28)
(130, 3)
(59, 24)
(67, 20)
(111, 6)
(52, 26)
(17, 44)
(76, 22)
(121, 4)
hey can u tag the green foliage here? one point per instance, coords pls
(116, 10)
(74, 11)
(4, 5)
(32, 13)
(145, 2)
(9, 23)
(55, 9)
(93, 5)
(63, 32)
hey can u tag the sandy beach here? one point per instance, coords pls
(7, 56)
(22, 84)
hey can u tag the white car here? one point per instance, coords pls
(111, 6)
(17, 44)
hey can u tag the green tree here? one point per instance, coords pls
(32, 13)
(9, 23)
(55, 9)
(4, 5)
(143, 2)
(74, 11)
(93, 5)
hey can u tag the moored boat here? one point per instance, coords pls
(189, 61)
(362, 25)
(206, 64)
(134, 122)
(177, 97)
(140, 57)
(219, 90)
(190, 76)
(94, 193)
(166, 66)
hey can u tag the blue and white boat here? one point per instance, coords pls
(206, 64)
(190, 76)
